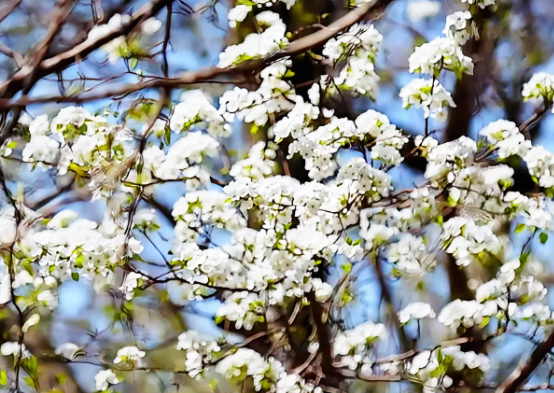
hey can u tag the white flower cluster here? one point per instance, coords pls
(273, 96)
(361, 178)
(199, 351)
(458, 28)
(255, 45)
(432, 97)
(240, 11)
(481, 3)
(410, 256)
(353, 347)
(267, 375)
(194, 110)
(130, 355)
(443, 52)
(510, 294)
(358, 48)
(317, 146)
(448, 159)
(121, 47)
(431, 58)
(259, 163)
(540, 88)
(432, 367)
(105, 378)
(131, 282)
(467, 241)
(540, 163)
(243, 308)
(415, 311)
(182, 161)
(481, 187)
(504, 137)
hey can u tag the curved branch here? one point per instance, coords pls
(516, 379)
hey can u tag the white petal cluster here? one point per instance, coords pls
(540, 163)
(535, 212)
(481, 187)
(358, 47)
(243, 308)
(240, 11)
(442, 52)
(130, 355)
(131, 282)
(363, 179)
(195, 110)
(145, 220)
(410, 256)
(540, 88)
(504, 137)
(182, 161)
(416, 311)
(267, 375)
(256, 45)
(481, 3)
(449, 158)
(274, 95)
(458, 27)
(467, 241)
(199, 351)
(432, 367)
(13, 348)
(259, 164)
(120, 47)
(105, 378)
(353, 347)
(432, 97)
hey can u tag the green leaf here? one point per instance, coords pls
(75, 276)
(3, 378)
(523, 258)
(61, 378)
(543, 237)
(133, 63)
(30, 381)
(347, 267)
(167, 136)
(484, 322)
(520, 228)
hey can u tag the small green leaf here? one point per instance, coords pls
(61, 378)
(347, 267)
(520, 228)
(3, 378)
(75, 276)
(30, 381)
(133, 63)
(543, 237)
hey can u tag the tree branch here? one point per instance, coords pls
(521, 373)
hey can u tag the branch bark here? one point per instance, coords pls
(521, 373)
